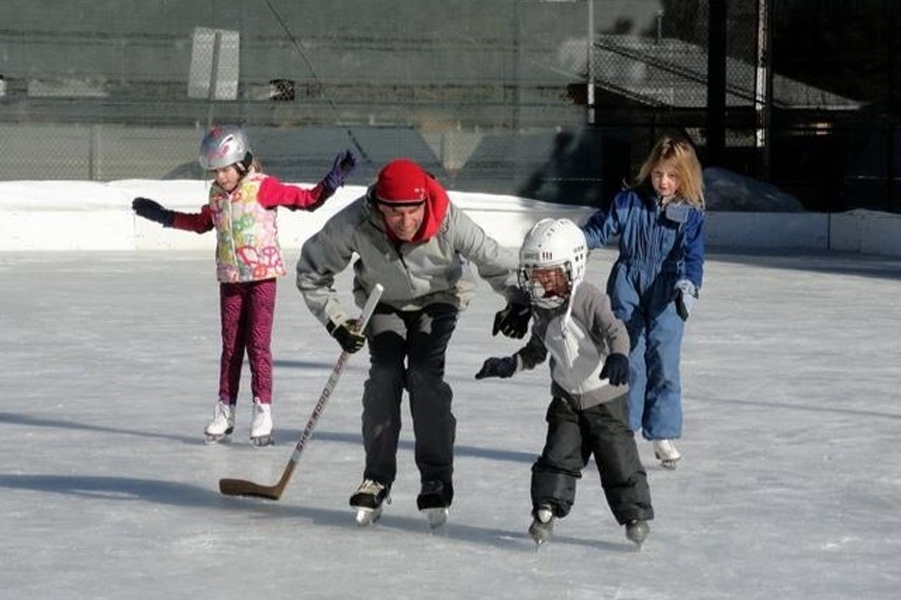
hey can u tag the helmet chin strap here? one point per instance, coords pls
(243, 165)
(567, 317)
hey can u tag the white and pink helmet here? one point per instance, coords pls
(223, 146)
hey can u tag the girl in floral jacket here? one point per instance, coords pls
(242, 208)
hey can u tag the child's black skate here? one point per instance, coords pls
(367, 502)
(637, 531)
(542, 527)
(434, 502)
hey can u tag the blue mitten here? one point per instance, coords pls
(345, 163)
(498, 367)
(685, 295)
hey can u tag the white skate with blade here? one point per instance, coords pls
(261, 426)
(667, 453)
(222, 425)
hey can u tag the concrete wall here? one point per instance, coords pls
(866, 232)
(860, 231)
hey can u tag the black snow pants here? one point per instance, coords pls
(572, 437)
(407, 351)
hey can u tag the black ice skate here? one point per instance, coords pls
(434, 502)
(637, 531)
(367, 502)
(542, 527)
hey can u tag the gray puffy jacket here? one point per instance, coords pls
(413, 274)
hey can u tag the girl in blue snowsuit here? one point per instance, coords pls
(655, 281)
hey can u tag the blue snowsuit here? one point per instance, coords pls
(655, 251)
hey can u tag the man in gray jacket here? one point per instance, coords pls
(408, 237)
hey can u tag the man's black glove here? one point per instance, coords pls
(498, 367)
(153, 211)
(616, 369)
(512, 320)
(347, 335)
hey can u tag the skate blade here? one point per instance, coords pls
(667, 463)
(541, 532)
(263, 441)
(215, 438)
(637, 534)
(367, 516)
(436, 516)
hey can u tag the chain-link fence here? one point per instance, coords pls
(558, 100)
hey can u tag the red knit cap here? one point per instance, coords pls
(401, 182)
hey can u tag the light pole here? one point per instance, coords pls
(589, 79)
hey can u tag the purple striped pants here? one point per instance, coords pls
(247, 311)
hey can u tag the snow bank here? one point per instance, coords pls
(81, 215)
(78, 215)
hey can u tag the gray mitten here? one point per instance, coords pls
(685, 295)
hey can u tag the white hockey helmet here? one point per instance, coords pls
(552, 243)
(223, 146)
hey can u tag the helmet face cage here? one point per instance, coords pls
(224, 146)
(552, 244)
(538, 282)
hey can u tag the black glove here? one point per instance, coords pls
(685, 295)
(616, 369)
(346, 333)
(498, 367)
(512, 320)
(343, 166)
(153, 211)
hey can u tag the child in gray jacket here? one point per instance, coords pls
(588, 414)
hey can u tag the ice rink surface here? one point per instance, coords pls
(790, 485)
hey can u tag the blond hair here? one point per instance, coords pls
(678, 153)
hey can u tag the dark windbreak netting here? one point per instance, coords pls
(555, 100)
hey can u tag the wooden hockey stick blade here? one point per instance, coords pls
(242, 487)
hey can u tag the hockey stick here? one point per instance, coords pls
(241, 487)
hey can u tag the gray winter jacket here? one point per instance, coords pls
(413, 275)
(592, 333)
